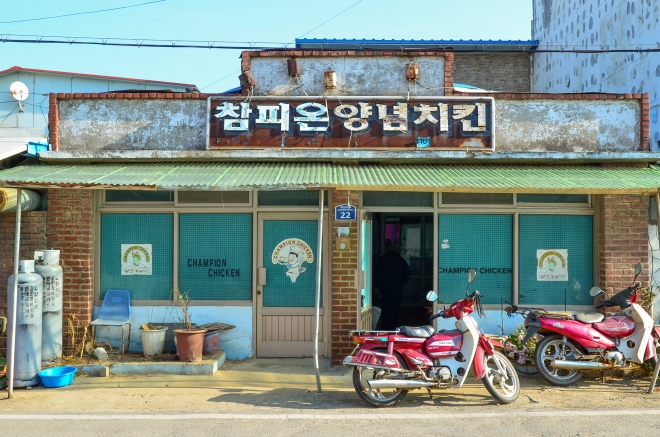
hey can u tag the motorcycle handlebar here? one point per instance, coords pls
(436, 316)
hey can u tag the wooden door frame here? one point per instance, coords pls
(326, 309)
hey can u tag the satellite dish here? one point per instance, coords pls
(19, 91)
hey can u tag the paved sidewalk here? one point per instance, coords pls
(287, 386)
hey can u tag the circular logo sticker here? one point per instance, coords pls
(292, 253)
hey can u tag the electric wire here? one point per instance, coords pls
(80, 13)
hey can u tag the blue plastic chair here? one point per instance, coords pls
(115, 311)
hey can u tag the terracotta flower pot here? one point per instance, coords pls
(189, 344)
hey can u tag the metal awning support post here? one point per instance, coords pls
(14, 299)
(317, 306)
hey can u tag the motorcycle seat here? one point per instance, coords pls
(590, 318)
(417, 331)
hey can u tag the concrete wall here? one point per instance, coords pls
(237, 343)
(135, 124)
(596, 24)
(358, 76)
(567, 126)
(40, 84)
(495, 72)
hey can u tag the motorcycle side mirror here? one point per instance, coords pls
(431, 296)
(638, 269)
(595, 291)
(471, 275)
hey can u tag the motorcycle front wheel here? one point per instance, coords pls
(550, 348)
(501, 379)
(375, 398)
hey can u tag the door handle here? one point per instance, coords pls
(261, 276)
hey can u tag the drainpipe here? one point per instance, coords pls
(317, 309)
(14, 300)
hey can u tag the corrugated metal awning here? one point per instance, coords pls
(585, 179)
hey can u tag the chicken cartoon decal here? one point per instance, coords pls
(293, 253)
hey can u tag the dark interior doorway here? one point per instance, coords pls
(414, 232)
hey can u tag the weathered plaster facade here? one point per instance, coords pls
(523, 123)
(357, 76)
(567, 126)
(599, 24)
(136, 124)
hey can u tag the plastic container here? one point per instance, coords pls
(57, 376)
(100, 353)
(189, 344)
(153, 341)
(211, 343)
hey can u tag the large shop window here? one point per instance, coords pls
(137, 255)
(480, 241)
(555, 259)
(215, 256)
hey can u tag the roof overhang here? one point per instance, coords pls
(349, 156)
(217, 176)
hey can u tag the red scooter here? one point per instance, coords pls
(386, 364)
(572, 345)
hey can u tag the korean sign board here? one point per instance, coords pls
(317, 122)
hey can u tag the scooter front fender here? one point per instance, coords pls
(478, 363)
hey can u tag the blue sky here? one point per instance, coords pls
(246, 20)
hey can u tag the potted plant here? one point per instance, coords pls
(189, 340)
(521, 356)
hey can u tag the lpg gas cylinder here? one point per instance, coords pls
(27, 360)
(48, 267)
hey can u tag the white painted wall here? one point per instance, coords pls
(237, 342)
(596, 24)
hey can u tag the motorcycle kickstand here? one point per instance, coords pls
(430, 393)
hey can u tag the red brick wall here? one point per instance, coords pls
(71, 230)
(33, 237)
(622, 240)
(344, 293)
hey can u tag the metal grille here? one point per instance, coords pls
(571, 232)
(480, 241)
(215, 256)
(280, 290)
(154, 229)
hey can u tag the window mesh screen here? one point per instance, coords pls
(397, 198)
(551, 232)
(215, 256)
(291, 198)
(480, 241)
(138, 196)
(280, 289)
(154, 229)
(477, 199)
(214, 197)
(553, 198)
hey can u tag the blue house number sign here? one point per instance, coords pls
(344, 212)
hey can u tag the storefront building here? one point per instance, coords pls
(545, 195)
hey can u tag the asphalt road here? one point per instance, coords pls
(277, 397)
(551, 423)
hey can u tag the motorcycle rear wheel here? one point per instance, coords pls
(375, 398)
(504, 391)
(550, 348)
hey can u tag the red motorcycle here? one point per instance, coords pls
(572, 345)
(386, 364)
